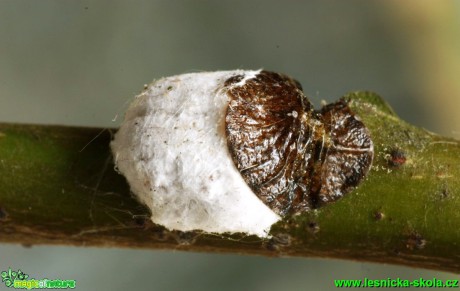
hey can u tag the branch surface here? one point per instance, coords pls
(59, 186)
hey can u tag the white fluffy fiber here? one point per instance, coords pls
(172, 149)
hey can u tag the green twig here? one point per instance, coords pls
(59, 186)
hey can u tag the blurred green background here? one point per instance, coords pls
(80, 62)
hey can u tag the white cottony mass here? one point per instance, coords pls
(172, 149)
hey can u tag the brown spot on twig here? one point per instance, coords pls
(443, 173)
(415, 241)
(313, 227)
(379, 215)
(397, 158)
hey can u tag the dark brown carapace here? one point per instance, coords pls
(292, 157)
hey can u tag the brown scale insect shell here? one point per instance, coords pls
(293, 158)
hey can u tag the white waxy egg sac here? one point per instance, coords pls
(172, 149)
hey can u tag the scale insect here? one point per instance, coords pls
(235, 151)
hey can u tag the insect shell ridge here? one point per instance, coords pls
(293, 158)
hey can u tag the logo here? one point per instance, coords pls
(20, 280)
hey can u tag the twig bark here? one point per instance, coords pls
(59, 186)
